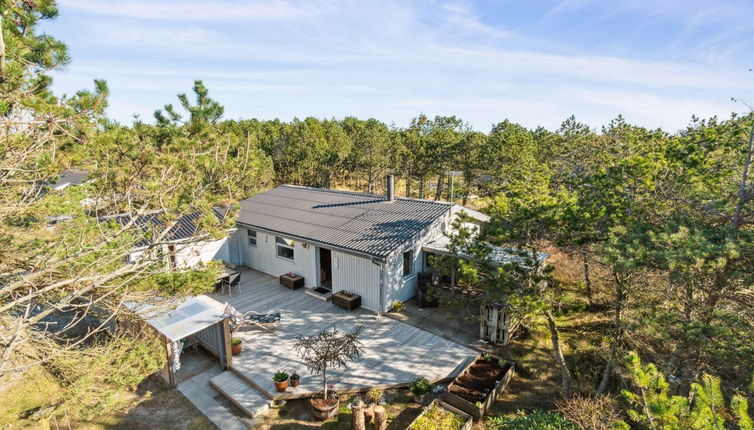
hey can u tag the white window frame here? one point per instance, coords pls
(251, 236)
(282, 243)
(411, 261)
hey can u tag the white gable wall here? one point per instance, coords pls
(194, 254)
(403, 288)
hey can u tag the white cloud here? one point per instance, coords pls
(386, 59)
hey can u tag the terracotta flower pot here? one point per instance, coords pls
(322, 410)
(295, 382)
(281, 386)
(236, 349)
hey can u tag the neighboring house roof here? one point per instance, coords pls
(71, 177)
(185, 227)
(364, 223)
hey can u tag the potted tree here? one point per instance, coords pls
(326, 350)
(235, 345)
(420, 387)
(281, 380)
(295, 379)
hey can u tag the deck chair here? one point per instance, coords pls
(252, 318)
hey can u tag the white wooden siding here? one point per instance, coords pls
(195, 254)
(357, 275)
(263, 257)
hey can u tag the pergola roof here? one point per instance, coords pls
(189, 317)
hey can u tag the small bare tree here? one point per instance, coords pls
(327, 350)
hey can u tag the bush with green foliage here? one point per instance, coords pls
(420, 386)
(374, 395)
(654, 407)
(535, 420)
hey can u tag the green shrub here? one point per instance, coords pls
(536, 420)
(398, 306)
(420, 386)
(235, 341)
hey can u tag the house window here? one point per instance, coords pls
(284, 248)
(252, 235)
(408, 263)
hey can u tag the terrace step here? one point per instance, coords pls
(243, 395)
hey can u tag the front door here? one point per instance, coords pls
(325, 268)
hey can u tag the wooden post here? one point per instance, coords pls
(493, 326)
(482, 321)
(357, 407)
(227, 338)
(380, 418)
(169, 354)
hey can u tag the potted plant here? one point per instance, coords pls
(420, 387)
(326, 350)
(235, 345)
(295, 379)
(281, 380)
(372, 399)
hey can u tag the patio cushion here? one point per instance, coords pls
(263, 318)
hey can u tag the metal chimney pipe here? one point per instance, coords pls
(390, 188)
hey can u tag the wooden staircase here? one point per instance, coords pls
(243, 395)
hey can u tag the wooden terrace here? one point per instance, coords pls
(394, 352)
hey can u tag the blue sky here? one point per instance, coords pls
(535, 62)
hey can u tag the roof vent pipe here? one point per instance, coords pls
(390, 188)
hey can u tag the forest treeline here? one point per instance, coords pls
(664, 218)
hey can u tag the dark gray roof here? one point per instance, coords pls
(71, 177)
(185, 226)
(365, 223)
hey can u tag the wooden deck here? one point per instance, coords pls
(394, 352)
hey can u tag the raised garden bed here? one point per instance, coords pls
(346, 300)
(479, 385)
(441, 416)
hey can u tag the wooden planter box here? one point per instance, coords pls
(347, 302)
(440, 404)
(478, 411)
(292, 281)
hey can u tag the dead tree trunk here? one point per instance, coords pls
(357, 407)
(617, 334)
(559, 357)
(558, 352)
(380, 418)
